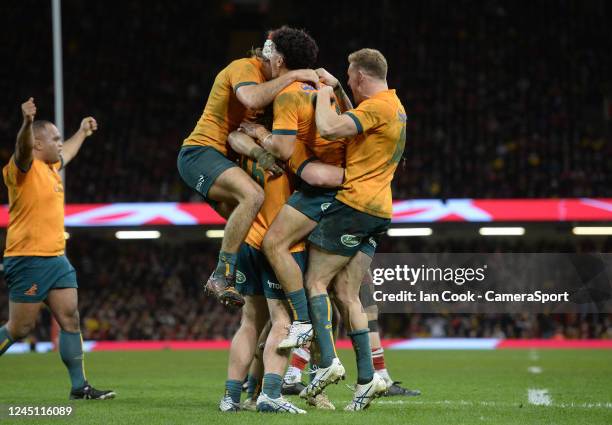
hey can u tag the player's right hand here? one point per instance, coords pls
(326, 77)
(307, 76)
(252, 129)
(326, 89)
(268, 162)
(28, 109)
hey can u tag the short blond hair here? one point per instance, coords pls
(370, 61)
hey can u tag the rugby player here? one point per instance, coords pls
(35, 266)
(292, 381)
(255, 280)
(253, 268)
(318, 163)
(361, 211)
(239, 91)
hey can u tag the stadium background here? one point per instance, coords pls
(505, 100)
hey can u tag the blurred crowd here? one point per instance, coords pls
(150, 291)
(504, 99)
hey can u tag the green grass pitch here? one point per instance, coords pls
(459, 387)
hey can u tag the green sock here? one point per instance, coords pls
(226, 265)
(299, 305)
(5, 340)
(253, 386)
(322, 324)
(233, 389)
(71, 352)
(361, 345)
(272, 385)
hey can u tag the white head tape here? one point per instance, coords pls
(268, 49)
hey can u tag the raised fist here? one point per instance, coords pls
(28, 109)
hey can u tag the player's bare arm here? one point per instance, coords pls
(343, 100)
(320, 174)
(71, 146)
(281, 146)
(331, 125)
(257, 96)
(315, 173)
(244, 144)
(25, 137)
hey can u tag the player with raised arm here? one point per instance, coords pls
(35, 266)
(239, 91)
(315, 160)
(361, 211)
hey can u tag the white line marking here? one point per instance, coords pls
(458, 403)
(534, 356)
(539, 397)
(534, 369)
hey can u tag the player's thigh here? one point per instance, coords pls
(356, 271)
(323, 266)
(288, 228)
(22, 317)
(233, 186)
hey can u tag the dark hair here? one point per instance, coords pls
(297, 47)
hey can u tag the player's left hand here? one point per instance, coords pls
(88, 126)
(252, 129)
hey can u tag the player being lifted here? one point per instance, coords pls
(239, 91)
(256, 275)
(361, 211)
(35, 267)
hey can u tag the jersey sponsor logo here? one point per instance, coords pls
(32, 291)
(274, 285)
(240, 277)
(350, 241)
(325, 205)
